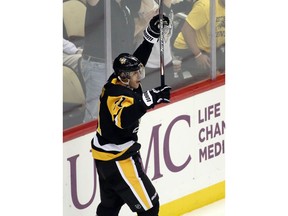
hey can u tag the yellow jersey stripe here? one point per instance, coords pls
(129, 173)
(112, 146)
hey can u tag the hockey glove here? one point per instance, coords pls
(157, 95)
(152, 32)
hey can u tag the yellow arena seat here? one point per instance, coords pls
(73, 92)
(74, 12)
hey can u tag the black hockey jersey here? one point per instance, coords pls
(120, 110)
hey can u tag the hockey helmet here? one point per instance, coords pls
(126, 63)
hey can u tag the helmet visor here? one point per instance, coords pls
(142, 72)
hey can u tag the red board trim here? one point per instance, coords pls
(177, 95)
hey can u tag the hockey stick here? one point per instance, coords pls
(161, 42)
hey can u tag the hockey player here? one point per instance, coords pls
(115, 146)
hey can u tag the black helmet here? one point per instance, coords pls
(126, 62)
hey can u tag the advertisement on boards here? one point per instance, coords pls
(182, 149)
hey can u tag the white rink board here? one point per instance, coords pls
(188, 127)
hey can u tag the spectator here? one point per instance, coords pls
(93, 61)
(71, 55)
(193, 42)
(182, 6)
(180, 9)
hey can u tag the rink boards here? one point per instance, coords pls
(183, 152)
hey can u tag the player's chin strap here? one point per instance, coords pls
(125, 83)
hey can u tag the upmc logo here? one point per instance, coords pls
(204, 139)
(154, 146)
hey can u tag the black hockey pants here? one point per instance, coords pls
(123, 182)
